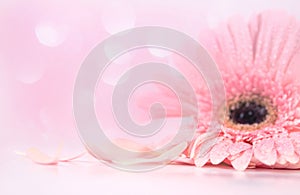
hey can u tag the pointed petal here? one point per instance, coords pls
(281, 160)
(273, 38)
(235, 45)
(242, 162)
(203, 143)
(219, 152)
(284, 146)
(201, 161)
(285, 150)
(293, 158)
(183, 161)
(73, 157)
(297, 148)
(242, 40)
(202, 152)
(265, 152)
(238, 147)
(41, 158)
(295, 137)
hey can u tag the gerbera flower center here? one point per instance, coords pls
(250, 113)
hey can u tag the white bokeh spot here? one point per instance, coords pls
(159, 52)
(50, 35)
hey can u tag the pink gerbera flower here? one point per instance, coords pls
(259, 63)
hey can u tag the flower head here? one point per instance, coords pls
(259, 61)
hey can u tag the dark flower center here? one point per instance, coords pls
(249, 112)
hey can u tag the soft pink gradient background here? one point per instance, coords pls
(42, 44)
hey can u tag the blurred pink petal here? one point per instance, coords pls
(131, 145)
(41, 158)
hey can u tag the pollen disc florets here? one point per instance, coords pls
(250, 112)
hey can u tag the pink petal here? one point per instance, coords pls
(285, 149)
(195, 144)
(219, 152)
(293, 158)
(273, 37)
(183, 161)
(238, 147)
(73, 157)
(235, 45)
(295, 137)
(281, 160)
(131, 145)
(265, 152)
(242, 162)
(40, 158)
(202, 160)
(203, 144)
(297, 148)
(284, 146)
(242, 40)
(201, 149)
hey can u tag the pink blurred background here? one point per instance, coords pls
(43, 43)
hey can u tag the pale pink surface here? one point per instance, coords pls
(42, 46)
(19, 176)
